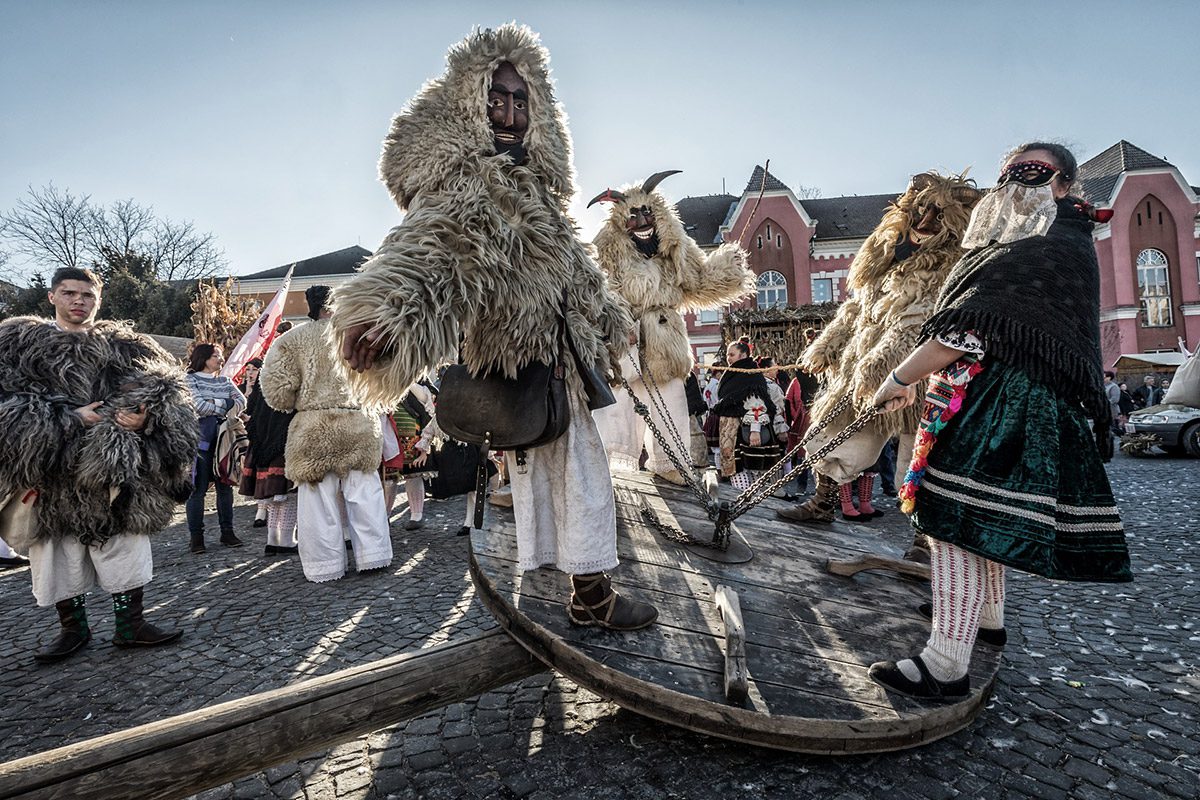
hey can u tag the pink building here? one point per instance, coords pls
(1149, 252)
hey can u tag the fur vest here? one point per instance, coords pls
(486, 248)
(100, 481)
(880, 324)
(678, 277)
(330, 432)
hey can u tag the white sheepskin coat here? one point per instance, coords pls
(330, 432)
(486, 249)
(679, 277)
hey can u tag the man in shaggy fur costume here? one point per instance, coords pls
(658, 270)
(100, 436)
(333, 450)
(487, 254)
(895, 279)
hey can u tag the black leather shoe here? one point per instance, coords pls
(465, 530)
(64, 645)
(13, 562)
(996, 637)
(889, 676)
(260, 523)
(231, 540)
(148, 635)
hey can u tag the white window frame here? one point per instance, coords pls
(827, 281)
(772, 290)
(708, 316)
(1154, 289)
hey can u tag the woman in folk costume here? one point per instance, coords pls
(264, 475)
(412, 426)
(894, 279)
(487, 253)
(1007, 468)
(749, 419)
(658, 270)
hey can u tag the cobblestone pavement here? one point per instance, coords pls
(1097, 696)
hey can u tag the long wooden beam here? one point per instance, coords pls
(182, 755)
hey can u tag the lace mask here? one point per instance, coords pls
(1010, 212)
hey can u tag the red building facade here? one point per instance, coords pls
(1149, 253)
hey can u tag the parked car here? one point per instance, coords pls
(1177, 426)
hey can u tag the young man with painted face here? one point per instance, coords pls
(894, 279)
(1007, 469)
(100, 434)
(658, 270)
(487, 255)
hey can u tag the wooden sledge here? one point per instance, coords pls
(797, 638)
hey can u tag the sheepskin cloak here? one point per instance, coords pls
(486, 248)
(678, 277)
(45, 374)
(330, 432)
(880, 324)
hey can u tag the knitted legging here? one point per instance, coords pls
(281, 522)
(968, 591)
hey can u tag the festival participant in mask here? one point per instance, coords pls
(749, 419)
(894, 279)
(100, 434)
(658, 269)
(1007, 470)
(487, 254)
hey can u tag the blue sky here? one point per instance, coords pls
(261, 121)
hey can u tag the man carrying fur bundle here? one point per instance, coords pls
(895, 279)
(100, 436)
(332, 453)
(658, 269)
(487, 254)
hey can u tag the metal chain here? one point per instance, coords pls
(671, 533)
(660, 405)
(747, 501)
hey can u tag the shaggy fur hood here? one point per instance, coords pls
(487, 250)
(878, 326)
(330, 432)
(99, 481)
(680, 276)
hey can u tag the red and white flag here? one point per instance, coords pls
(256, 340)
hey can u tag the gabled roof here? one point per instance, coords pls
(755, 184)
(851, 217)
(339, 262)
(1098, 175)
(703, 216)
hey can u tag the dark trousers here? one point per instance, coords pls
(195, 503)
(885, 465)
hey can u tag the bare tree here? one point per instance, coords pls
(49, 226)
(54, 228)
(807, 192)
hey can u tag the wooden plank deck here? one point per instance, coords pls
(809, 636)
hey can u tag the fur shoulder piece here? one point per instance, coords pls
(446, 123)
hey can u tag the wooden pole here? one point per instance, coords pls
(737, 678)
(182, 755)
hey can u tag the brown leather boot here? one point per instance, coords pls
(132, 628)
(919, 550)
(593, 602)
(74, 634)
(819, 508)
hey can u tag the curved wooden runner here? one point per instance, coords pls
(809, 636)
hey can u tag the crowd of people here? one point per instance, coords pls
(987, 419)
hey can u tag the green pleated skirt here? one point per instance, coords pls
(1016, 477)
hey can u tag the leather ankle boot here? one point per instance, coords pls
(132, 630)
(593, 602)
(72, 615)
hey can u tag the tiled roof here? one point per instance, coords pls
(339, 262)
(1098, 175)
(851, 217)
(755, 184)
(703, 216)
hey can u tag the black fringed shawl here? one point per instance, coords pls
(735, 387)
(1036, 304)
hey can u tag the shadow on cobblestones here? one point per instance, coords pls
(1096, 697)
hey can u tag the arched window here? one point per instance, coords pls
(772, 290)
(1154, 289)
(760, 243)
